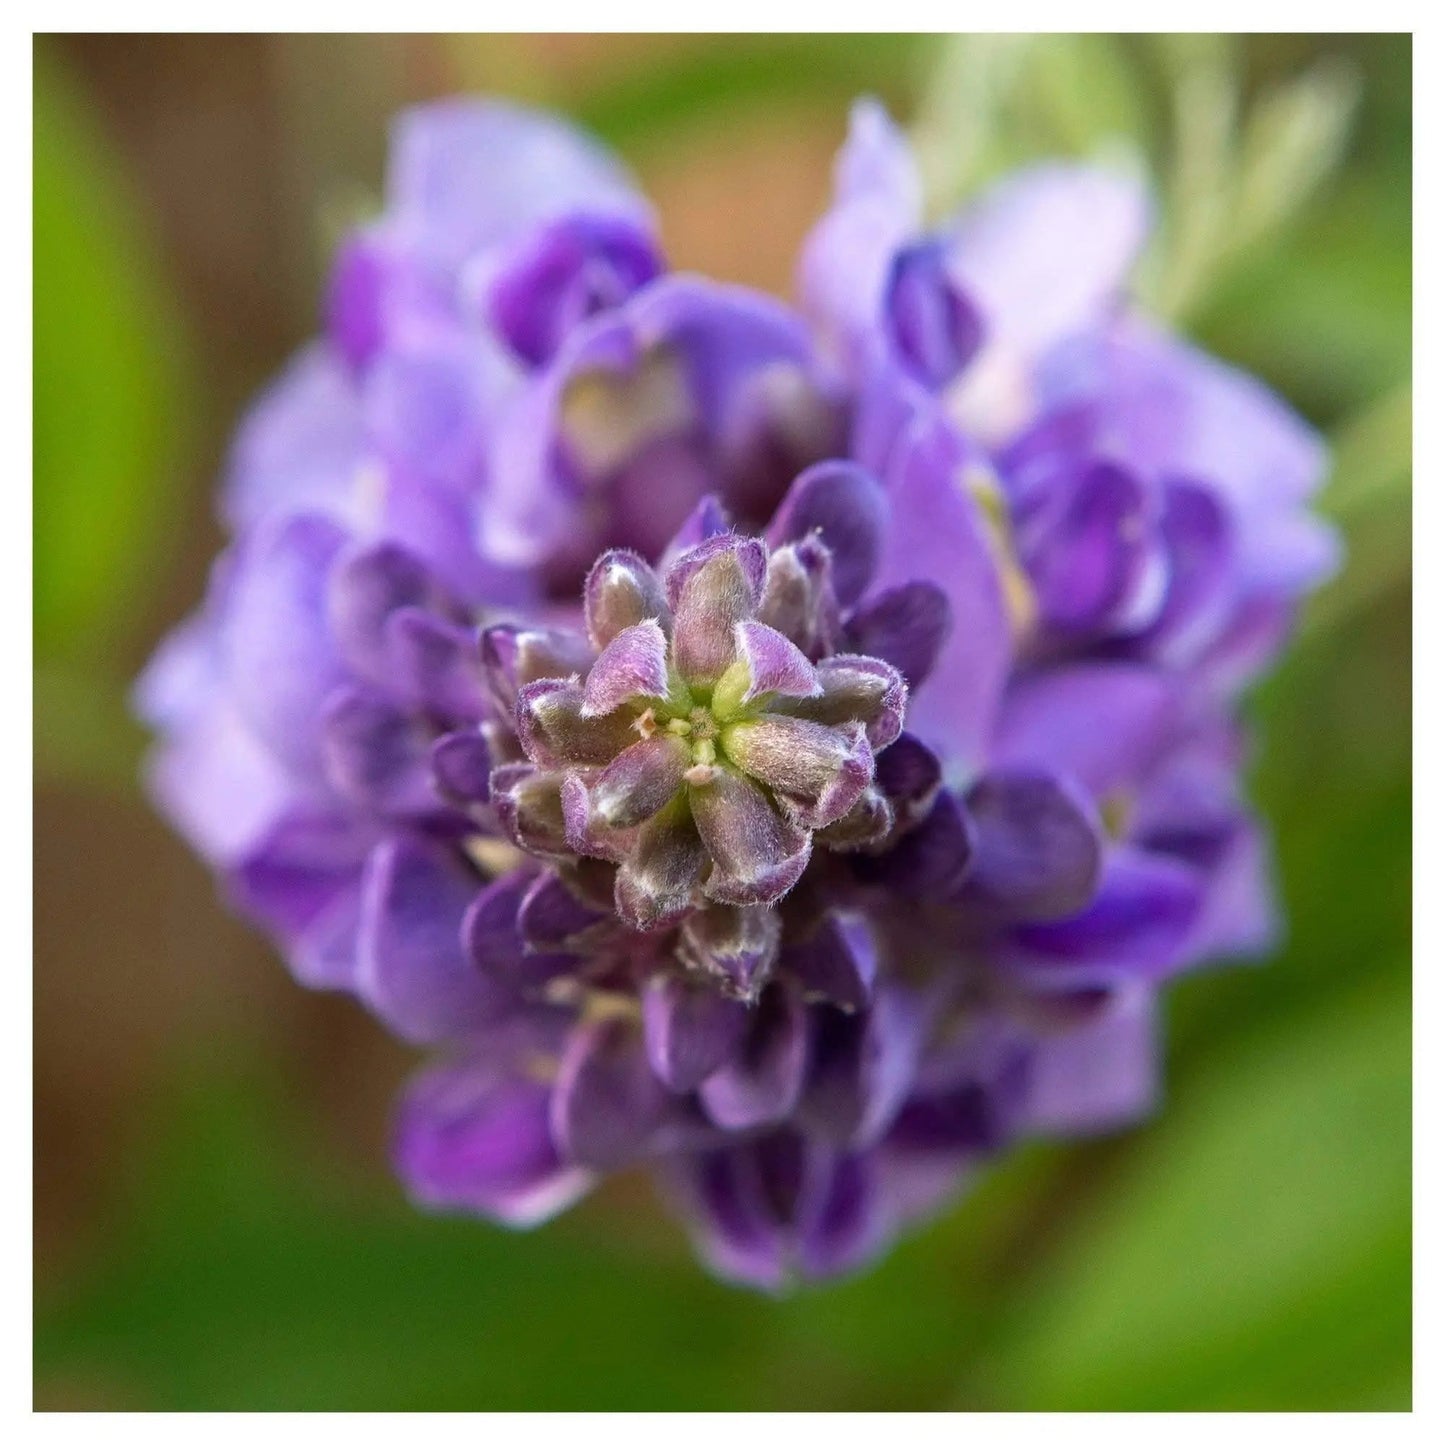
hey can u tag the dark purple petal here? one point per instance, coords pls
(906, 626)
(836, 963)
(639, 781)
(606, 1102)
(1038, 851)
(566, 273)
(1086, 545)
(849, 1221)
(909, 776)
(736, 947)
(376, 755)
(468, 1139)
(554, 915)
(930, 861)
(933, 325)
(435, 664)
(737, 1233)
(414, 971)
(622, 591)
(689, 1029)
(632, 666)
(363, 593)
(762, 1081)
(1199, 541)
(841, 504)
(757, 854)
(461, 767)
(1136, 927)
(863, 1064)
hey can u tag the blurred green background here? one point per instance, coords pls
(215, 1226)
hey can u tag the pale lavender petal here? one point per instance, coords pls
(774, 664)
(622, 591)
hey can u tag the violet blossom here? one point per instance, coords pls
(784, 749)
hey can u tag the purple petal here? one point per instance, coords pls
(877, 208)
(1102, 725)
(277, 647)
(905, 626)
(365, 591)
(300, 447)
(933, 324)
(436, 664)
(1086, 547)
(632, 666)
(689, 1029)
(1045, 253)
(461, 767)
(1101, 1074)
(837, 963)
(843, 506)
(413, 970)
(1039, 851)
(467, 173)
(850, 1222)
(607, 1102)
(1136, 927)
(302, 879)
(469, 1139)
(377, 755)
(863, 1064)
(937, 534)
(564, 274)
(762, 1081)
(931, 860)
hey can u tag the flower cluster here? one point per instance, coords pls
(784, 747)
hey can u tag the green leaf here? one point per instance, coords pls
(108, 409)
(1255, 1253)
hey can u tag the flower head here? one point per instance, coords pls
(788, 749)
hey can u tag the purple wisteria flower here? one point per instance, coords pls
(785, 749)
